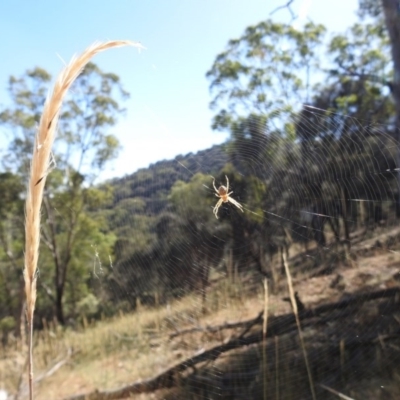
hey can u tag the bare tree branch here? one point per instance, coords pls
(289, 8)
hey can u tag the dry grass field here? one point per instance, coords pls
(111, 353)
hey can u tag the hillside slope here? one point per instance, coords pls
(153, 184)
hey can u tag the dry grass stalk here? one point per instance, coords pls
(265, 324)
(39, 170)
(340, 395)
(296, 314)
(277, 367)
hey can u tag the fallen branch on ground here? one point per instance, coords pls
(217, 328)
(23, 391)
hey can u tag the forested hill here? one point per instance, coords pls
(153, 184)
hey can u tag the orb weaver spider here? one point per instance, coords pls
(222, 193)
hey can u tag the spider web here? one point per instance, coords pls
(187, 290)
(184, 296)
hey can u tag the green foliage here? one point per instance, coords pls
(83, 143)
(87, 115)
(359, 85)
(7, 324)
(265, 70)
(88, 306)
(190, 199)
(258, 190)
(11, 243)
(370, 8)
(135, 232)
(152, 185)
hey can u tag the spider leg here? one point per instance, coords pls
(217, 206)
(214, 185)
(227, 184)
(229, 193)
(234, 202)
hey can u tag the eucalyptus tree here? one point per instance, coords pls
(267, 71)
(74, 236)
(200, 244)
(258, 85)
(11, 251)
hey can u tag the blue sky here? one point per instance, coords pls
(167, 113)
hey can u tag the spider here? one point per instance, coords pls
(222, 193)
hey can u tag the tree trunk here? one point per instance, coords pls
(317, 225)
(344, 196)
(391, 10)
(361, 219)
(59, 304)
(205, 270)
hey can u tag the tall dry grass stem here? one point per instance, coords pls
(276, 367)
(340, 395)
(265, 325)
(40, 166)
(296, 314)
(342, 349)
